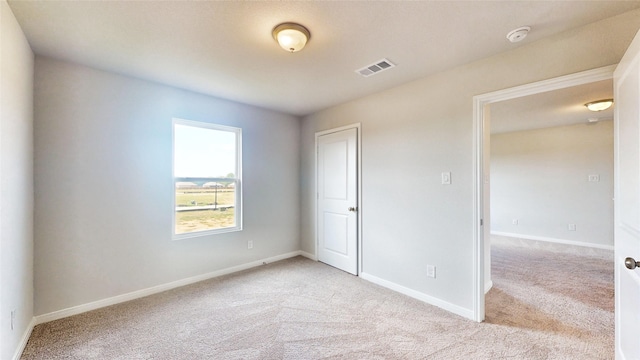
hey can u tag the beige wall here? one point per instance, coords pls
(16, 183)
(104, 185)
(540, 177)
(413, 133)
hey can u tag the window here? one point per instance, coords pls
(207, 179)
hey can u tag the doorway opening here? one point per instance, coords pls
(482, 130)
(551, 213)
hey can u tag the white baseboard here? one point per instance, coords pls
(309, 255)
(553, 240)
(156, 289)
(487, 286)
(458, 310)
(24, 340)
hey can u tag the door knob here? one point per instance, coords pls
(631, 263)
(354, 209)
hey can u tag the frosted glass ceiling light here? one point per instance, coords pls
(599, 105)
(292, 37)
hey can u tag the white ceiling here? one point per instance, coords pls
(225, 48)
(552, 108)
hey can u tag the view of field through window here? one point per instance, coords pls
(206, 185)
(199, 208)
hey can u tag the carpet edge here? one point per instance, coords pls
(553, 240)
(25, 338)
(78, 309)
(455, 309)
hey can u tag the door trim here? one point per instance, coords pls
(358, 128)
(479, 104)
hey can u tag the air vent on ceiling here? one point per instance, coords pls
(378, 66)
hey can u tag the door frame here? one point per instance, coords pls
(358, 128)
(480, 102)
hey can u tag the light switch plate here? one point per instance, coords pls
(446, 178)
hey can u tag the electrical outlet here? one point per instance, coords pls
(514, 221)
(13, 318)
(250, 244)
(431, 271)
(572, 227)
(594, 178)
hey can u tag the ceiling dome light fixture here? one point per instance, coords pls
(599, 105)
(292, 37)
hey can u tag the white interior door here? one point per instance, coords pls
(627, 202)
(338, 200)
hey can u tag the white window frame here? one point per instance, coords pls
(237, 180)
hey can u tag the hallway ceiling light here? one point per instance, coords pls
(599, 105)
(292, 37)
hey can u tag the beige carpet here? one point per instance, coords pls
(545, 304)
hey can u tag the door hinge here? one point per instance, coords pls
(481, 222)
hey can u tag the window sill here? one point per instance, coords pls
(196, 234)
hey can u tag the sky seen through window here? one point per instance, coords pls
(202, 152)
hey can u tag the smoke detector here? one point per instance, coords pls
(518, 34)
